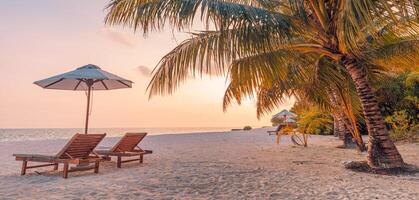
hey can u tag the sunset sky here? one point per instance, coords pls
(48, 37)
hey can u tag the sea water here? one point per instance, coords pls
(65, 133)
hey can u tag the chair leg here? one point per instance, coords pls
(141, 158)
(118, 162)
(24, 165)
(56, 166)
(65, 170)
(97, 167)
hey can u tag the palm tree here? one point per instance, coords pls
(323, 85)
(353, 33)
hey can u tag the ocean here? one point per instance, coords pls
(65, 133)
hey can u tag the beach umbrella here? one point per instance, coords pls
(285, 114)
(86, 78)
(290, 120)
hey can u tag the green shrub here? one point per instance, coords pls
(398, 98)
(315, 122)
(247, 128)
(411, 135)
(403, 127)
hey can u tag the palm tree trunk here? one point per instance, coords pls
(344, 133)
(341, 128)
(349, 137)
(335, 126)
(382, 153)
(348, 141)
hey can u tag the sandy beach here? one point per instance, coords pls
(225, 165)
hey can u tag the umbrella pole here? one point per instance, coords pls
(89, 84)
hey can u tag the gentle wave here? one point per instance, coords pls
(63, 133)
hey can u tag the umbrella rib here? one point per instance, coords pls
(104, 85)
(59, 80)
(75, 88)
(123, 83)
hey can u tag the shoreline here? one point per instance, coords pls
(110, 132)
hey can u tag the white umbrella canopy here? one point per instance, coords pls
(85, 78)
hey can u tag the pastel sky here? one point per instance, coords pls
(47, 37)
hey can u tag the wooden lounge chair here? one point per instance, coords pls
(79, 150)
(276, 131)
(127, 146)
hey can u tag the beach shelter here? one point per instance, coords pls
(290, 121)
(285, 114)
(86, 78)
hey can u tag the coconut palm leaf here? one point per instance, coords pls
(208, 53)
(152, 15)
(395, 56)
(311, 120)
(358, 19)
(259, 73)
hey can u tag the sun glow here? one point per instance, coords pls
(71, 35)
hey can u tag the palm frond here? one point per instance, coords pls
(312, 119)
(398, 54)
(359, 19)
(152, 15)
(278, 69)
(209, 52)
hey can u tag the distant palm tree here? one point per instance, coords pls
(264, 35)
(324, 85)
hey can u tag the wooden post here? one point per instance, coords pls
(65, 170)
(97, 167)
(24, 165)
(89, 84)
(56, 166)
(278, 138)
(118, 162)
(141, 158)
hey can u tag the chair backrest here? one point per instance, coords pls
(128, 142)
(80, 146)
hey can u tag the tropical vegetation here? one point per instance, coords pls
(312, 120)
(259, 43)
(398, 98)
(319, 88)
